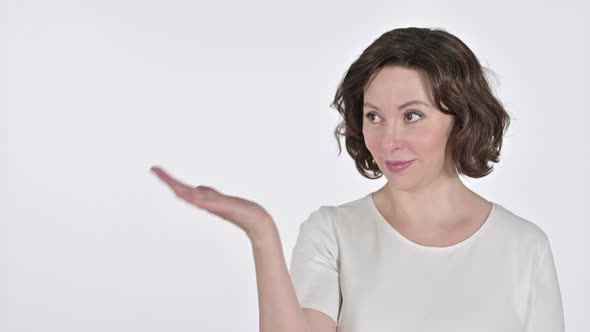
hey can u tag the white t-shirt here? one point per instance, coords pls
(351, 264)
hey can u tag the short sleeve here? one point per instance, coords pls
(545, 311)
(314, 265)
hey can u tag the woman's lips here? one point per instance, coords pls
(398, 166)
(395, 162)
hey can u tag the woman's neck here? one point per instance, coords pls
(442, 203)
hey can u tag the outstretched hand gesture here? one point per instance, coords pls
(249, 216)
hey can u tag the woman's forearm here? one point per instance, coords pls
(279, 309)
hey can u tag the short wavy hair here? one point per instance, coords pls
(457, 80)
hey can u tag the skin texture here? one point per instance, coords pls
(427, 202)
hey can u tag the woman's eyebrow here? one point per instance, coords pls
(402, 106)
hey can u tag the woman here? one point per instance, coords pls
(424, 252)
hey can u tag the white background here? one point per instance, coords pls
(236, 95)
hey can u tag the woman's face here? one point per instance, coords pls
(395, 130)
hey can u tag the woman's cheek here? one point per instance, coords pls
(371, 142)
(429, 140)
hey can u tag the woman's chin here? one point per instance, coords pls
(405, 183)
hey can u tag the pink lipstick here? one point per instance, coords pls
(398, 165)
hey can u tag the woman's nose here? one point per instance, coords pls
(393, 139)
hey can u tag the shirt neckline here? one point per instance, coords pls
(381, 220)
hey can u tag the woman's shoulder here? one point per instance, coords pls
(517, 226)
(354, 209)
(331, 217)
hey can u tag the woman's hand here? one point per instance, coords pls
(248, 215)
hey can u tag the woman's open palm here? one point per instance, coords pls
(247, 215)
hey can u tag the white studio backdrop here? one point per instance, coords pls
(236, 95)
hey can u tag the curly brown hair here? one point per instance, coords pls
(457, 79)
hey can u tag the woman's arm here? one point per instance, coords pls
(279, 309)
(545, 311)
(278, 306)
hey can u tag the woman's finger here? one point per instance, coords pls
(173, 183)
(178, 187)
(201, 196)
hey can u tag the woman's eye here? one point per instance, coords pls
(413, 113)
(369, 115)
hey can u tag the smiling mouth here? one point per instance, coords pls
(398, 167)
(397, 162)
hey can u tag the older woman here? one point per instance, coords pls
(424, 252)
